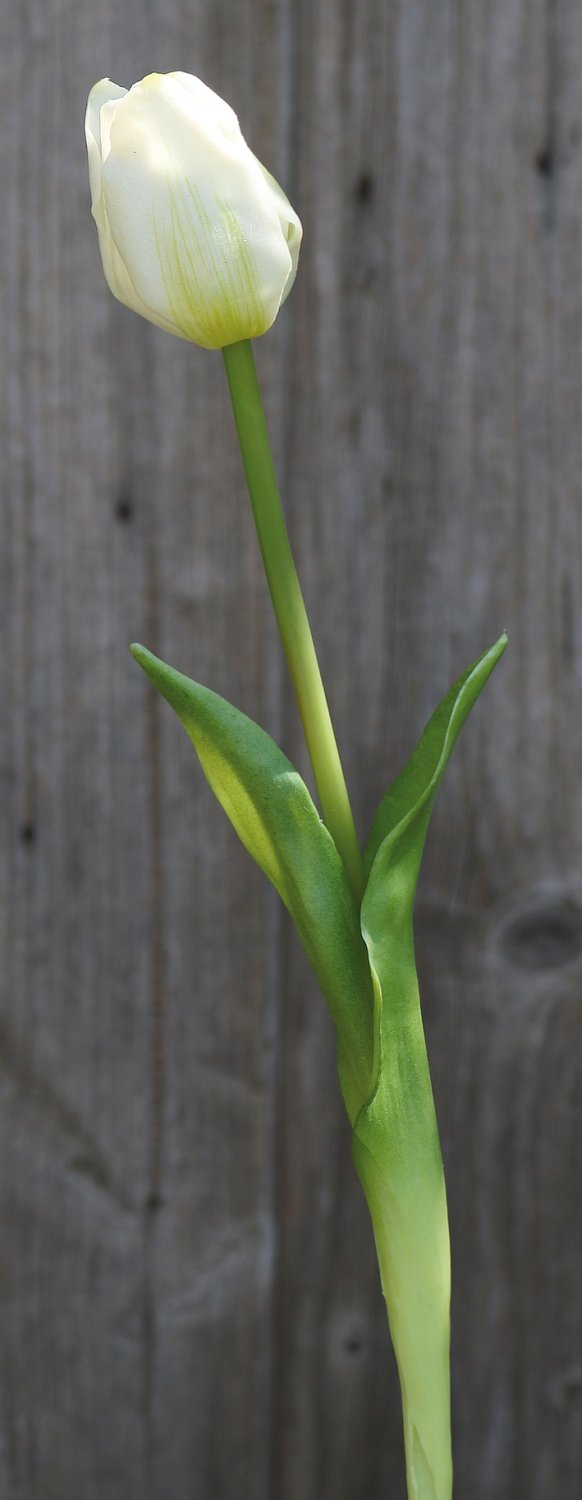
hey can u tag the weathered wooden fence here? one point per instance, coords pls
(189, 1301)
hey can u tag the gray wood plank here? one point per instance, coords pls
(140, 957)
(438, 432)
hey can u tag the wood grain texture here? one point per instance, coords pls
(189, 1301)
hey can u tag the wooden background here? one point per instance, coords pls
(189, 1301)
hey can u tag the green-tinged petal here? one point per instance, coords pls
(271, 809)
(395, 1138)
(194, 233)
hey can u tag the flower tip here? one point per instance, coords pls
(150, 82)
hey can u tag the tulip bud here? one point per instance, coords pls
(194, 234)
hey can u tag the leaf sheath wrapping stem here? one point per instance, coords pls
(364, 962)
(395, 1139)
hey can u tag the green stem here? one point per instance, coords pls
(289, 607)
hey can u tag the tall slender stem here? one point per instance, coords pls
(289, 607)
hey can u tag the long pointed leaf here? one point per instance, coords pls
(395, 1138)
(271, 809)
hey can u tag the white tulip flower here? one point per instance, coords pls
(194, 233)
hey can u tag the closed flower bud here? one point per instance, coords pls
(194, 234)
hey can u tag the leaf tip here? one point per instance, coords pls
(156, 670)
(490, 658)
(496, 651)
(145, 658)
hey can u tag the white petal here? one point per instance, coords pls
(205, 101)
(195, 227)
(101, 94)
(194, 233)
(101, 106)
(98, 99)
(291, 226)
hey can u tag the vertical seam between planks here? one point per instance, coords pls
(287, 49)
(157, 1057)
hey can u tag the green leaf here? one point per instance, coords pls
(395, 1138)
(271, 810)
(415, 789)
